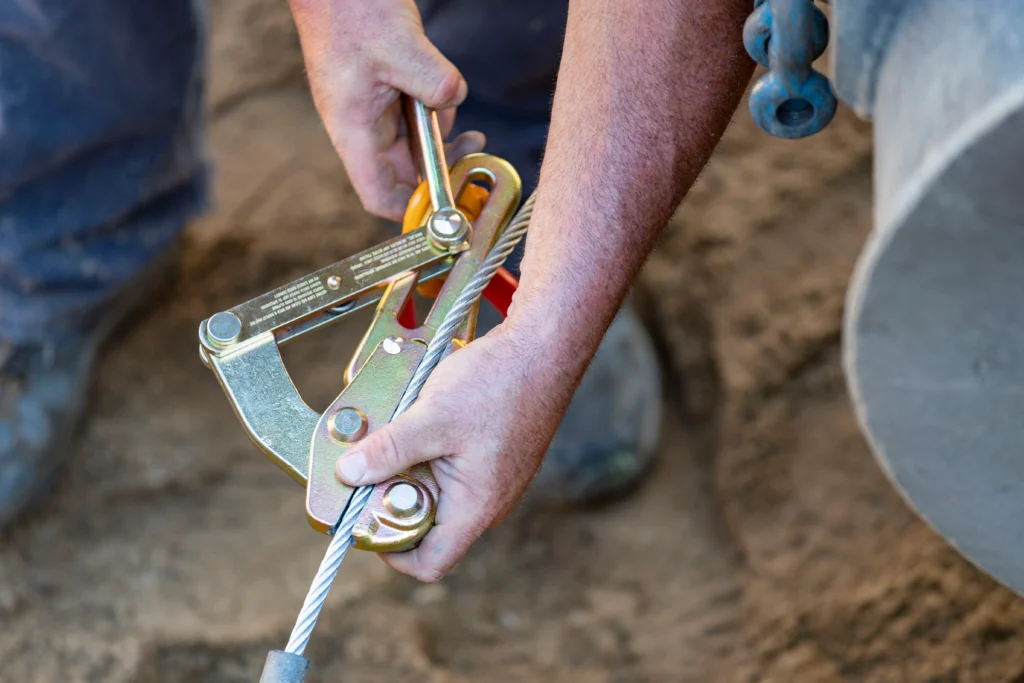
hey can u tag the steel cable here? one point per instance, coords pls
(342, 540)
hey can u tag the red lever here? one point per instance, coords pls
(502, 286)
(498, 293)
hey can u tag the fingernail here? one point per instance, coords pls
(351, 467)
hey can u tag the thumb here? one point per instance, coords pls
(421, 71)
(394, 448)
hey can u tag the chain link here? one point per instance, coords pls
(793, 100)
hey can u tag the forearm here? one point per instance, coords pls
(645, 91)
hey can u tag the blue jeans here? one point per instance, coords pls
(101, 159)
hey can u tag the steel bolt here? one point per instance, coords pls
(403, 500)
(392, 345)
(447, 226)
(347, 425)
(334, 282)
(223, 329)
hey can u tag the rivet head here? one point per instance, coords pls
(403, 500)
(392, 345)
(448, 226)
(347, 425)
(334, 282)
(223, 329)
(446, 223)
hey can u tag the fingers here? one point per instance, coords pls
(378, 162)
(460, 521)
(399, 175)
(418, 69)
(360, 57)
(470, 142)
(446, 119)
(409, 440)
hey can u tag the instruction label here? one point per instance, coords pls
(293, 298)
(353, 276)
(387, 255)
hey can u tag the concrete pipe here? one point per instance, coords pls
(934, 327)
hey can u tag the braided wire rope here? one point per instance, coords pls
(342, 540)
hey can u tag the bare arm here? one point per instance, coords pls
(646, 89)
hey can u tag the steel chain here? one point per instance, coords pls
(792, 100)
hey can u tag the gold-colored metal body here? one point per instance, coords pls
(240, 346)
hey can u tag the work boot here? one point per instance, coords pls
(42, 394)
(608, 438)
(43, 391)
(609, 435)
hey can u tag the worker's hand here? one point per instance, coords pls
(360, 56)
(484, 419)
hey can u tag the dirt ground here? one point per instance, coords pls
(768, 547)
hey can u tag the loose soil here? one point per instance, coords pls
(767, 547)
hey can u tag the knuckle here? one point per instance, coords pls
(374, 206)
(372, 199)
(431, 434)
(452, 438)
(379, 208)
(429, 574)
(447, 88)
(447, 437)
(389, 451)
(446, 118)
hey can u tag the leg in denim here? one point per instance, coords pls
(99, 171)
(509, 52)
(99, 151)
